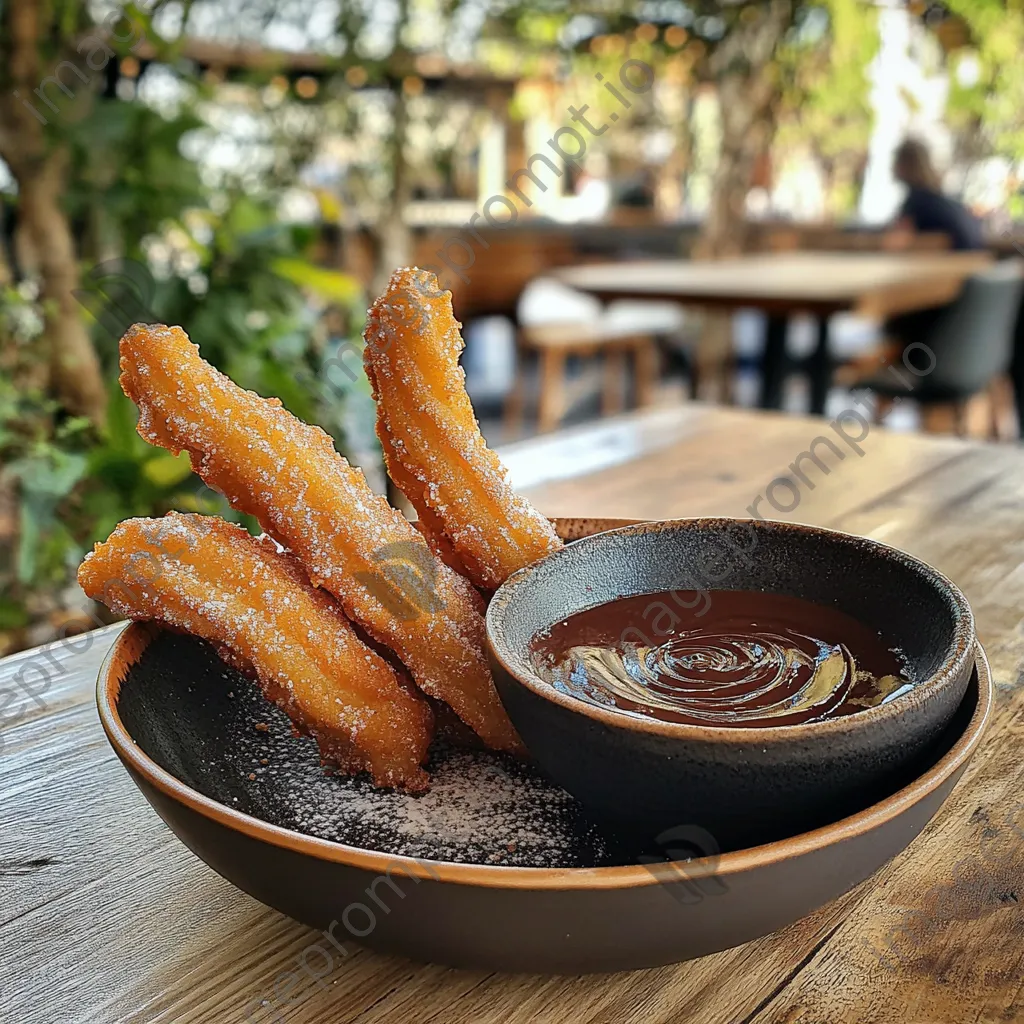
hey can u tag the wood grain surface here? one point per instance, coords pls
(874, 284)
(107, 918)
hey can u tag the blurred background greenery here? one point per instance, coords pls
(264, 165)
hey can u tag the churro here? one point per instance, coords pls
(210, 578)
(305, 495)
(432, 443)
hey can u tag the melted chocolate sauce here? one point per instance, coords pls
(752, 659)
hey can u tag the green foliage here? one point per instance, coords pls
(221, 264)
(826, 93)
(987, 80)
(828, 84)
(43, 464)
(238, 282)
(128, 175)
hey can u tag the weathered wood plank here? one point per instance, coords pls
(37, 682)
(727, 459)
(106, 918)
(940, 938)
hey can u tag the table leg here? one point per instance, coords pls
(614, 371)
(773, 363)
(1017, 370)
(1002, 409)
(515, 401)
(552, 389)
(646, 364)
(819, 367)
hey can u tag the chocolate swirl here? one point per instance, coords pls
(716, 674)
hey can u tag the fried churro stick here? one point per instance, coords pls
(210, 578)
(305, 495)
(432, 443)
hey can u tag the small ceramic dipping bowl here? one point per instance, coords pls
(743, 786)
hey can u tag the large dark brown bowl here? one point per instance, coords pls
(188, 728)
(743, 786)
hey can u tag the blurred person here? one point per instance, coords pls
(926, 208)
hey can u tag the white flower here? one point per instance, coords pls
(186, 262)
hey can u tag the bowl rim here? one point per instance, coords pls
(956, 660)
(130, 643)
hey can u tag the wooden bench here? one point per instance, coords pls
(554, 344)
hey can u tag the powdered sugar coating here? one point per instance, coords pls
(306, 496)
(201, 575)
(432, 443)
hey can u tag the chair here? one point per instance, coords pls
(972, 344)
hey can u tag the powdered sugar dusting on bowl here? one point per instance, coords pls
(213, 729)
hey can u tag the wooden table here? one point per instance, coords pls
(108, 919)
(783, 284)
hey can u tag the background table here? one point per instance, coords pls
(782, 284)
(106, 918)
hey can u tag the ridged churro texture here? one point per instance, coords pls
(432, 443)
(212, 579)
(349, 540)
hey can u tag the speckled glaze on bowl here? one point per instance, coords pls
(743, 786)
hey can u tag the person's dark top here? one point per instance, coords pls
(932, 211)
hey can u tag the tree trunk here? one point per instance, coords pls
(748, 92)
(76, 378)
(38, 162)
(395, 236)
